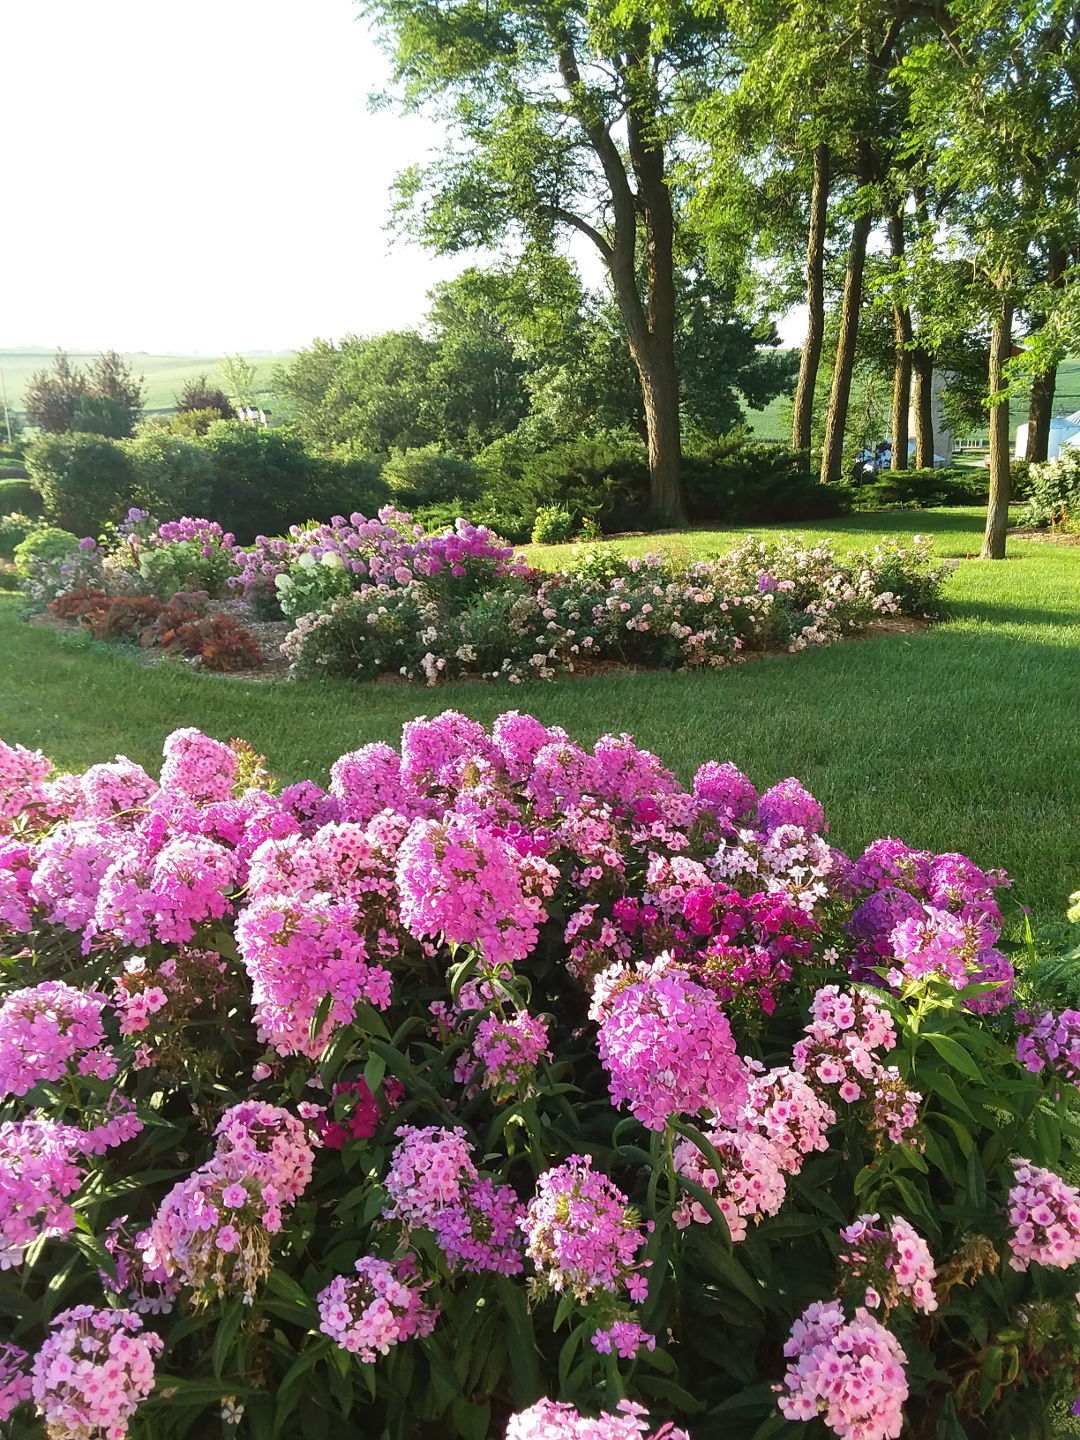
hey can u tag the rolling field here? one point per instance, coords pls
(165, 374)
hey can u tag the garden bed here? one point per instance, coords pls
(505, 1078)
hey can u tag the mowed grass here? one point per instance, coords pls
(165, 374)
(964, 737)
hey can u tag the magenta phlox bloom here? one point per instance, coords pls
(52, 1030)
(581, 1234)
(40, 1169)
(22, 782)
(1050, 1041)
(197, 766)
(667, 1045)
(15, 1386)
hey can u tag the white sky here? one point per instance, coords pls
(200, 178)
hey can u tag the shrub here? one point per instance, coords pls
(45, 544)
(85, 480)
(509, 1077)
(19, 497)
(740, 481)
(603, 478)
(221, 643)
(264, 479)
(173, 476)
(187, 554)
(123, 618)
(1054, 491)
(13, 531)
(79, 603)
(552, 525)
(920, 488)
(312, 584)
(427, 476)
(101, 415)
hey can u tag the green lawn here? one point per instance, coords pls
(964, 737)
(165, 374)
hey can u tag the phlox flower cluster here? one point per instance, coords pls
(1050, 1042)
(382, 1307)
(890, 1262)
(581, 1234)
(667, 1046)
(429, 1169)
(473, 888)
(790, 1114)
(15, 1388)
(197, 766)
(118, 790)
(16, 872)
(22, 782)
(481, 1228)
(552, 1420)
(955, 949)
(212, 1230)
(152, 999)
(92, 1373)
(509, 1050)
(51, 1030)
(624, 1338)
(750, 1184)
(1044, 1214)
(850, 1372)
(69, 866)
(40, 1169)
(296, 953)
(846, 1030)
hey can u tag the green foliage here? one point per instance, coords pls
(264, 480)
(85, 481)
(14, 528)
(742, 481)
(923, 488)
(427, 476)
(604, 477)
(184, 565)
(20, 495)
(174, 476)
(101, 415)
(47, 543)
(552, 525)
(199, 394)
(1054, 491)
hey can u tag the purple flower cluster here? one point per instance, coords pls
(52, 1030)
(1044, 1214)
(41, 1168)
(1050, 1042)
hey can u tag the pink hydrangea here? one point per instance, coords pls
(750, 1184)
(40, 1170)
(471, 887)
(429, 1169)
(667, 1046)
(381, 1308)
(551, 1420)
(582, 1235)
(891, 1263)
(296, 954)
(93, 1371)
(850, 1372)
(197, 766)
(52, 1030)
(1044, 1214)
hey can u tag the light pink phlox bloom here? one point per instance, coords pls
(1044, 1213)
(552, 1420)
(93, 1371)
(580, 1233)
(752, 1182)
(428, 1169)
(850, 1372)
(381, 1308)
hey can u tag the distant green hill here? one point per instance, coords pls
(165, 374)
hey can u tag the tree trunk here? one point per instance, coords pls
(922, 374)
(660, 392)
(997, 511)
(902, 337)
(810, 360)
(1041, 408)
(832, 448)
(1040, 413)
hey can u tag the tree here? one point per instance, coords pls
(110, 377)
(240, 377)
(52, 395)
(199, 394)
(560, 122)
(100, 415)
(84, 480)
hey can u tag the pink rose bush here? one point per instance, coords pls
(499, 1078)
